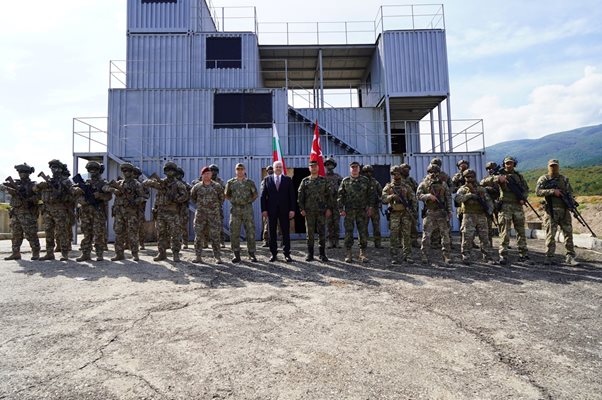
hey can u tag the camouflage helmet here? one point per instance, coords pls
(367, 168)
(170, 165)
(404, 165)
(127, 167)
(330, 160)
(93, 165)
(214, 168)
(491, 165)
(463, 162)
(469, 172)
(25, 168)
(137, 172)
(180, 172)
(437, 161)
(433, 168)
(57, 163)
(510, 158)
(395, 169)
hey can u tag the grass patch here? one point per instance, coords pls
(586, 181)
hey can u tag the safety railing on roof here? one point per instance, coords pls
(89, 135)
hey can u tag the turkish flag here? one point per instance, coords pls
(316, 151)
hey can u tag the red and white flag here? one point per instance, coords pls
(316, 151)
(277, 148)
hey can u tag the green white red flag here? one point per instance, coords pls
(277, 148)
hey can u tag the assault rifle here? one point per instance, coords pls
(480, 200)
(12, 187)
(514, 188)
(88, 190)
(570, 203)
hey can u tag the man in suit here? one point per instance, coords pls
(278, 205)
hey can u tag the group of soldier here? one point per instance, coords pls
(497, 201)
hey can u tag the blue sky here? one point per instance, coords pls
(527, 68)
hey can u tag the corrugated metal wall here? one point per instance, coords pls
(373, 92)
(166, 123)
(181, 16)
(416, 62)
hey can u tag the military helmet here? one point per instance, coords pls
(404, 165)
(330, 160)
(93, 165)
(57, 163)
(510, 158)
(395, 169)
(433, 168)
(137, 171)
(436, 161)
(214, 167)
(25, 168)
(463, 162)
(180, 172)
(491, 165)
(127, 167)
(368, 168)
(170, 165)
(469, 172)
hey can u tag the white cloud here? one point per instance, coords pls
(551, 108)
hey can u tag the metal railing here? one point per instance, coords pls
(89, 135)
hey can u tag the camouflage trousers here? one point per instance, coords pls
(414, 229)
(359, 218)
(211, 222)
(315, 221)
(141, 221)
(475, 224)
(375, 219)
(435, 221)
(333, 225)
(126, 225)
(239, 217)
(206, 234)
(512, 214)
(185, 219)
(169, 229)
(562, 218)
(57, 226)
(400, 226)
(24, 224)
(94, 228)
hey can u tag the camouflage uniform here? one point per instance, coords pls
(334, 221)
(437, 212)
(184, 210)
(23, 213)
(458, 181)
(171, 194)
(511, 213)
(93, 211)
(402, 206)
(56, 193)
(129, 194)
(314, 198)
(493, 190)
(444, 176)
(476, 206)
(557, 213)
(408, 180)
(208, 199)
(141, 209)
(368, 170)
(355, 196)
(241, 194)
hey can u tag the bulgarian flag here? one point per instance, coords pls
(277, 148)
(316, 151)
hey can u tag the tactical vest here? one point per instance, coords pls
(436, 188)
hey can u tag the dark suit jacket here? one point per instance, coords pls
(277, 202)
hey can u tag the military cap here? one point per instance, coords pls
(205, 169)
(312, 162)
(330, 160)
(510, 158)
(25, 168)
(214, 167)
(137, 171)
(469, 172)
(491, 165)
(404, 165)
(395, 169)
(93, 165)
(553, 162)
(352, 163)
(434, 168)
(368, 168)
(127, 166)
(436, 161)
(239, 166)
(462, 162)
(170, 165)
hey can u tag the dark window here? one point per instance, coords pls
(398, 141)
(242, 110)
(223, 52)
(159, 1)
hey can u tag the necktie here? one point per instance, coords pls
(277, 182)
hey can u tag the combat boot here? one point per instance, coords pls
(176, 256)
(16, 255)
(99, 256)
(198, 259)
(236, 258)
(504, 260)
(35, 254)
(141, 246)
(265, 244)
(570, 260)
(49, 256)
(363, 258)
(465, 260)
(349, 256)
(310, 254)
(118, 256)
(378, 244)
(135, 256)
(161, 256)
(252, 257)
(84, 257)
(323, 257)
(65, 255)
(424, 259)
(218, 259)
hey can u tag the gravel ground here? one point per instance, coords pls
(265, 330)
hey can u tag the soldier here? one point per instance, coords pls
(264, 230)
(457, 182)
(333, 222)
(93, 195)
(129, 195)
(435, 194)
(241, 192)
(553, 187)
(368, 171)
(355, 199)
(23, 212)
(56, 193)
(141, 209)
(215, 177)
(435, 236)
(314, 199)
(408, 180)
(514, 190)
(493, 190)
(476, 206)
(184, 211)
(171, 194)
(401, 199)
(208, 195)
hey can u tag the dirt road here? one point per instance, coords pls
(300, 331)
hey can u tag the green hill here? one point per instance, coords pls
(586, 181)
(577, 148)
